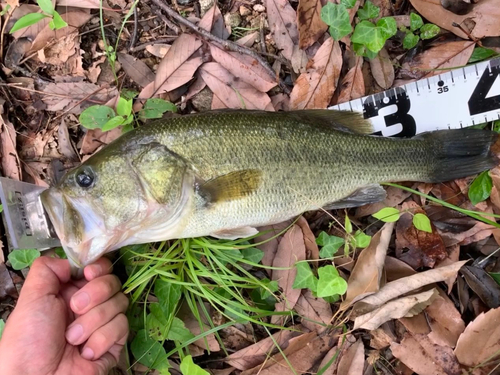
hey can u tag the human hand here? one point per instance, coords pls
(55, 315)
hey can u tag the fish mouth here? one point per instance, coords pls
(80, 229)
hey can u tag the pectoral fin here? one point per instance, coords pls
(367, 194)
(232, 234)
(231, 186)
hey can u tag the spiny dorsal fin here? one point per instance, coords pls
(231, 186)
(342, 120)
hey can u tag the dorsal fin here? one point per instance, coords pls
(342, 120)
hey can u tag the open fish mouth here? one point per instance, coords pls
(79, 228)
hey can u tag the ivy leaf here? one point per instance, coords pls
(422, 223)
(330, 282)
(480, 54)
(387, 214)
(27, 20)
(416, 21)
(155, 108)
(188, 367)
(330, 244)
(168, 295)
(23, 258)
(96, 116)
(480, 189)
(149, 352)
(361, 50)
(305, 278)
(429, 30)
(124, 106)
(367, 34)
(410, 40)
(368, 11)
(388, 27)
(348, 3)
(252, 254)
(361, 240)
(337, 17)
(178, 331)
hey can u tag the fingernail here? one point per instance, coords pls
(74, 333)
(88, 354)
(80, 301)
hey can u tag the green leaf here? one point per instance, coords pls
(388, 27)
(387, 214)
(155, 108)
(2, 326)
(113, 123)
(129, 94)
(46, 6)
(305, 278)
(480, 54)
(157, 324)
(179, 332)
(168, 295)
(361, 240)
(416, 21)
(348, 3)
(1, 208)
(330, 244)
(27, 20)
(252, 254)
(57, 22)
(347, 224)
(96, 116)
(429, 30)
(368, 11)
(330, 282)
(23, 258)
(495, 276)
(332, 299)
(480, 189)
(60, 253)
(361, 50)
(410, 40)
(149, 352)
(188, 367)
(124, 107)
(337, 17)
(422, 223)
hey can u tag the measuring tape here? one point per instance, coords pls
(456, 99)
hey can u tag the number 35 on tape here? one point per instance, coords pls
(455, 99)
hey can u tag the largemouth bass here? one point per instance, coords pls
(225, 173)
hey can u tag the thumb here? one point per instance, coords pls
(46, 276)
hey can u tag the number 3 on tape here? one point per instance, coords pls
(456, 99)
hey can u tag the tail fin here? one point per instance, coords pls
(460, 153)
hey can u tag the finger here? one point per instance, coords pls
(85, 325)
(46, 276)
(101, 341)
(94, 293)
(100, 267)
(105, 364)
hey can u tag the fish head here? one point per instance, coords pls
(111, 201)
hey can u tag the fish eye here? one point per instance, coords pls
(85, 178)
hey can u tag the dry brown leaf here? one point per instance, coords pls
(353, 84)
(399, 308)
(405, 285)
(31, 31)
(89, 4)
(367, 272)
(7, 287)
(425, 358)
(11, 166)
(255, 354)
(436, 59)
(208, 342)
(75, 20)
(483, 336)
(175, 69)
(477, 233)
(317, 311)
(291, 250)
(395, 196)
(352, 361)
(453, 256)
(382, 337)
(312, 250)
(311, 27)
(445, 321)
(95, 138)
(282, 22)
(270, 246)
(231, 90)
(66, 147)
(281, 102)
(302, 353)
(482, 21)
(214, 22)
(249, 39)
(244, 67)
(396, 269)
(138, 71)
(382, 69)
(75, 96)
(158, 50)
(326, 360)
(315, 87)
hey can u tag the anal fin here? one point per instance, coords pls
(367, 194)
(232, 234)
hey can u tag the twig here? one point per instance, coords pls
(142, 47)
(134, 32)
(466, 32)
(167, 22)
(261, 36)
(226, 44)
